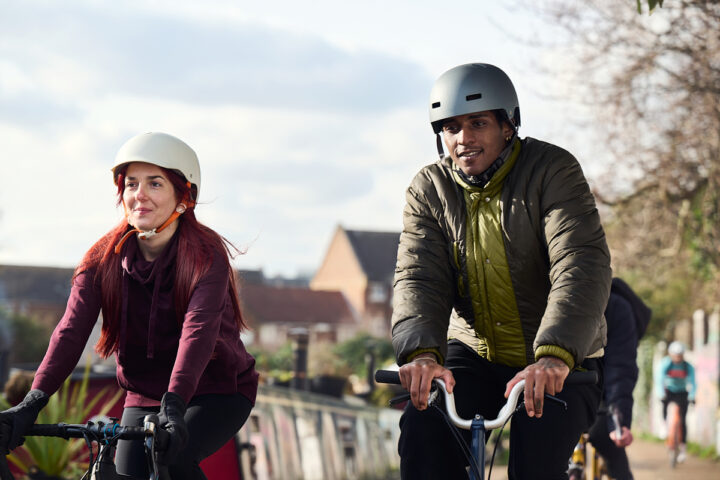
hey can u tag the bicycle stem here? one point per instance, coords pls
(477, 429)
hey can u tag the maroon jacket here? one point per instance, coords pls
(155, 354)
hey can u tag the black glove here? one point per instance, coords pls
(21, 417)
(172, 420)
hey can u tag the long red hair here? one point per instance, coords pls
(196, 247)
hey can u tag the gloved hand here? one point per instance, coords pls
(172, 419)
(21, 417)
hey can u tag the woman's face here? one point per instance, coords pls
(149, 196)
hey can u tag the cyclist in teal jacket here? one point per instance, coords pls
(675, 382)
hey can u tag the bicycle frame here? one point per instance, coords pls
(586, 460)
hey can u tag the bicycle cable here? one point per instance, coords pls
(499, 437)
(88, 442)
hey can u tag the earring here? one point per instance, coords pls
(180, 208)
(507, 139)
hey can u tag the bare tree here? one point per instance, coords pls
(653, 82)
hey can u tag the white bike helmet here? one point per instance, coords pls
(167, 152)
(676, 348)
(162, 150)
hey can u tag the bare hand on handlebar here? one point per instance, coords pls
(417, 376)
(546, 376)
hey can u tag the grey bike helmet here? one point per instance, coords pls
(470, 88)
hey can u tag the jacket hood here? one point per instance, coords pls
(642, 312)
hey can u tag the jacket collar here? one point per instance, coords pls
(504, 164)
(148, 273)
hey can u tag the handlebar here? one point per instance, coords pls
(575, 378)
(104, 434)
(96, 431)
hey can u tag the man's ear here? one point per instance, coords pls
(508, 129)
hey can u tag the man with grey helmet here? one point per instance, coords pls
(503, 274)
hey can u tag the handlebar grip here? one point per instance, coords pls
(589, 377)
(387, 376)
(46, 430)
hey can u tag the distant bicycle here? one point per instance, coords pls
(104, 438)
(674, 434)
(586, 463)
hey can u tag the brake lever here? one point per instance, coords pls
(563, 403)
(432, 398)
(558, 400)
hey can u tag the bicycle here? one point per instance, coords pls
(478, 425)
(585, 459)
(674, 434)
(105, 436)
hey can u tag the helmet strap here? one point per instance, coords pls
(440, 150)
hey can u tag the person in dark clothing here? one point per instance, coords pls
(627, 319)
(171, 316)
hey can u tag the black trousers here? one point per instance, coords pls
(539, 448)
(615, 457)
(681, 398)
(211, 420)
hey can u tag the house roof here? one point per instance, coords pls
(47, 285)
(377, 253)
(294, 305)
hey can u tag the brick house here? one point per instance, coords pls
(271, 311)
(361, 264)
(36, 292)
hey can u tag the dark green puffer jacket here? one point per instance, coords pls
(555, 257)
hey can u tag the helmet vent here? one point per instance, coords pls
(474, 96)
(436, 105)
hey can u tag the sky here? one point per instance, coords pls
(304, 115)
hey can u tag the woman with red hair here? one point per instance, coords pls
(170, 311)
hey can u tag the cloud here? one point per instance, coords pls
(295, 134)
(145, 54)
(33, 111)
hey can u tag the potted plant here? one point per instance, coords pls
(328, 371)
(47, 457)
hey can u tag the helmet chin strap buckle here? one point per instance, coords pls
(147, 234)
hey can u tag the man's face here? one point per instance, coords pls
(676, 358)
(475, 140)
